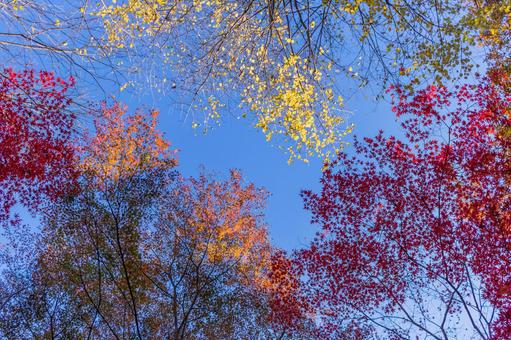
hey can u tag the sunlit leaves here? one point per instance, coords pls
(225, 221)
(124, 144)
(294, 105)
(290, 101)
(218, 53)
(285, 59)
(493, 21)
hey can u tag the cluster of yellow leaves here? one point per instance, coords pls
(493, 20)
(134, 18)
(124, 145)
(351, 7)
(293, 104)
(284, 94)
(14, 5)
(266, 53)
(125, 21)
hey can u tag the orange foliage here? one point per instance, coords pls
(226, 222)
(125, 144)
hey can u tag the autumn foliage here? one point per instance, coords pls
(36, 153)
(420, 222)
(137, 250)
(124, 144)
(103, 237)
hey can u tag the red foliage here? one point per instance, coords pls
(287, 308)
(409, 213)
(36, 155)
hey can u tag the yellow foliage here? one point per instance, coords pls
(291, 104)
(493, 21)
(270, 57)
(14, 5)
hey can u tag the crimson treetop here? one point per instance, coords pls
(36, 154)
(415, 232)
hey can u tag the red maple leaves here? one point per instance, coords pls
(36, 153)
(429, 212)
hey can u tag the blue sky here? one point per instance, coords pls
(237, 144)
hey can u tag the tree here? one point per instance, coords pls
(492, 20)
(282, 56)
(207, 256)
(36, 153)
(283, 61)
(139, 251)
(414, 236)
(57, 36)
(84, 263)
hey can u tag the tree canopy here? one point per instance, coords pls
(104, 236)
(287, 65)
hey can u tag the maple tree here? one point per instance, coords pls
(88, 247)
(414, 233)
(208, 256)
(36, 153)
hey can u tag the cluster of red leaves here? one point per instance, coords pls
(288, 309)
(436, 201)
(36, 154)
(500, 74)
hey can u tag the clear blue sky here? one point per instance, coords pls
(236, 144)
